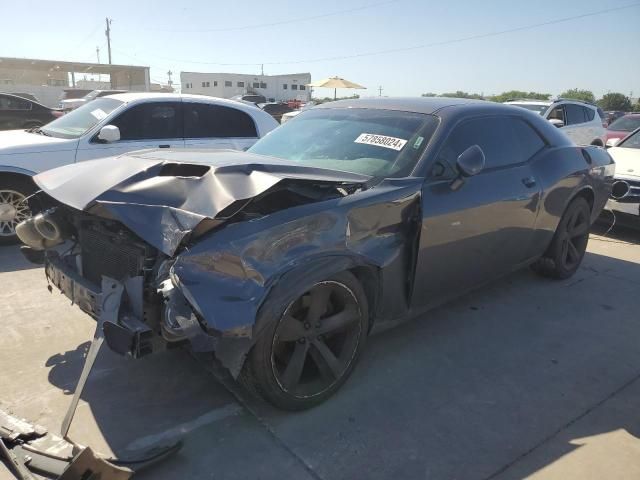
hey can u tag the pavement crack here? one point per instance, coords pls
(225, 379)
(550, 437)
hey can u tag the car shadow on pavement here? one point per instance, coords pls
(11, 260)
(502, 380)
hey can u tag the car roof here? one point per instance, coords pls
(406, 104)
(529, 102)
(442, 106)
(135, 96)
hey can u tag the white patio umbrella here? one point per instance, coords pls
(336, 83)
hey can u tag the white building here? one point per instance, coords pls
(275, 88)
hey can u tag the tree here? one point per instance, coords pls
(429, 94)
(461, 94)
(517, 94)
(615, 101)
(576, 94)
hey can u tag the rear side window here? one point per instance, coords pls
(528, 139)
(11, 103)
(504, 141)
(575, 114)
(150, 121)
(216, 121)
(589, 113)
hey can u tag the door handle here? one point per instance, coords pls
(529, 182)
(164, 146)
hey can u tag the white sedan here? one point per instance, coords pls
(626, 188)
(116, 124)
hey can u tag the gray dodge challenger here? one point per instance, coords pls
(281, 260)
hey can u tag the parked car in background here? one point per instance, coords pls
(276, 109)
(612, 115)
(116, 124)
(621, 127)
(289, 116)
(353, 216)
(73, 103)
(20, 113)
(583, 122)
(28, 96)
(625, 193)
(250, 98)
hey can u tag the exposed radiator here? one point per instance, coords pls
(112, 254)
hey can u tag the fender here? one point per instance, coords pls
(21, 171)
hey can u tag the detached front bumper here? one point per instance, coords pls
(123, 330)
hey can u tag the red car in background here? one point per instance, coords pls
(621, 127)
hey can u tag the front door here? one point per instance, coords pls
(484, 228)
(145, 125)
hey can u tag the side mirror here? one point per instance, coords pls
(612, 142)
(109, 133)
(556, 123)
(471, 161)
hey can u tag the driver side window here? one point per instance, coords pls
(151, 121)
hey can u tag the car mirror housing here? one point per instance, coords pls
(471, 161)
(556, 123)
(109, 133)
(612, 142)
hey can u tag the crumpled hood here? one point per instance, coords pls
(627, 161)
(21, 141)
(162, 195)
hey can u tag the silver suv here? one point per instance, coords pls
(583, 122)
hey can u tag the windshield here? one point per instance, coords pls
(380, 143)
(626, 124)
(530, 106)
(74, 124)
(632, 141)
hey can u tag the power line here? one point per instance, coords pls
(280, 22)
(414, 47)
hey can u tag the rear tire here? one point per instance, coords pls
(306, 355)
(564, 255)
(13, 206)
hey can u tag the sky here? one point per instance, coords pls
(598, 53)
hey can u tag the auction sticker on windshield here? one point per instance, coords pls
(381, 141)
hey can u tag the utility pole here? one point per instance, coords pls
(98, 53)
(380, 91)
(262, 69)
(107, 32)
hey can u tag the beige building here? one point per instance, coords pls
(47, 79)
(277, 88)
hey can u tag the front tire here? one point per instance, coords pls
(564, 255)
(13, 207)
(308, 353)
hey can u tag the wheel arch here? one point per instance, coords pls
(597, 142)
(292, 283)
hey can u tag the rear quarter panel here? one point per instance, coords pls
(565, 172)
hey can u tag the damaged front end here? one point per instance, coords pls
(109, 241)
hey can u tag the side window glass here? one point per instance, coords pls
(589, 114)
(10, 103)
(575, 114)
(557, 114)
(493, 134)
(216, 121)
(150, 121)
(529, 141)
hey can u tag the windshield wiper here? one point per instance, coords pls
(39, 131)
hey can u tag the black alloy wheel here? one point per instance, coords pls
(569, 243)
(314, 346)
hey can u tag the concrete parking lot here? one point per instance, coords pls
(524, 378)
